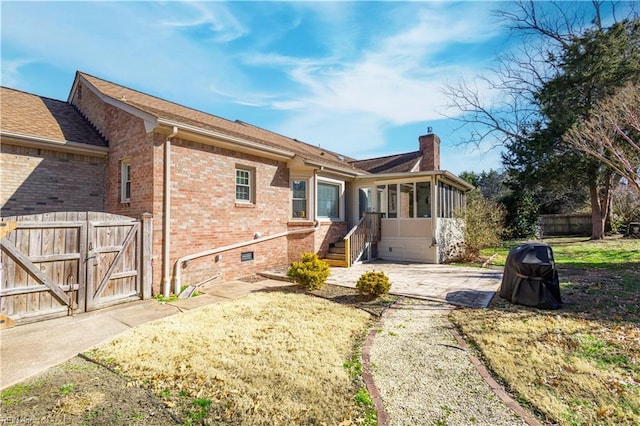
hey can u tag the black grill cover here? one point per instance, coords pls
(531, 278)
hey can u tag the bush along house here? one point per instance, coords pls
(228, 199)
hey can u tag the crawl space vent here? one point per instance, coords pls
(246, 256)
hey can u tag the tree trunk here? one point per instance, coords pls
(600, 202)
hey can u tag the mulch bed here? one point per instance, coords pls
(339, 294)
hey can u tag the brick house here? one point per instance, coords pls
(227, 198)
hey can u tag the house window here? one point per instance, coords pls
(244, 186)
(329, 200)
(299, 199)
(125, 181)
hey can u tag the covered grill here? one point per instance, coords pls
(531, 278)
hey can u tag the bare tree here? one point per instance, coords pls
(519, 74)
(547, 30)
(611, 135)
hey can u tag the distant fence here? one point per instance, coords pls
(565, 224)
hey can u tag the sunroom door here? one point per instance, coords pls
(364, 201)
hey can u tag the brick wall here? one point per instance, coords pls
(300, 243)
(127, 140)
(205, 215)
(40, 181)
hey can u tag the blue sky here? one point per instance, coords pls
(361, 78)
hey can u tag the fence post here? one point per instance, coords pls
(147, 255)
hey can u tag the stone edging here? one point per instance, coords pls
(367, 377)
(495, 386)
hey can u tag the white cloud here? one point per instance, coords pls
(395, 81)
(10, 72)
(214, 17)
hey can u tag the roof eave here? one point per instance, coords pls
(223, 140)
(150, 120)
(410, 175)
(61, 145)
(346, 171)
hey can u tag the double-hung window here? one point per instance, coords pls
(125, 180)
(329, 196)
(244, 187)
(299, 199)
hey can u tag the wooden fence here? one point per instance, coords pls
(55, 264)
(565, 224)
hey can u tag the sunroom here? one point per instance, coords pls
(415, 211)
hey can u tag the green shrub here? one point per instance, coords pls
(373, 283)
(310, 272)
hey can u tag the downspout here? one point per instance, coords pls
(166, 232)
(178, 265)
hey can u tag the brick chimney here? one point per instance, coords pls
(430, 147)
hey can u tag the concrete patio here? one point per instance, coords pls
(457, 285)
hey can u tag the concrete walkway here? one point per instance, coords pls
(462, 286)
(29, 349)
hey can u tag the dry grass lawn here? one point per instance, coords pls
(579, 365)
(267, 358)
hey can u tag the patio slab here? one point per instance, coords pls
(456, 285)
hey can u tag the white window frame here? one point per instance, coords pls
(125, 180)
(384, 201)
(306, 198)
(250, 184)
(340, 185)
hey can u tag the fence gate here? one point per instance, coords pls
(113, 262)
(57, 263)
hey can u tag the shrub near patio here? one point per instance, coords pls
(580, 364)
(310, 272)
(373, 283)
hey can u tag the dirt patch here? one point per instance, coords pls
(80, 392)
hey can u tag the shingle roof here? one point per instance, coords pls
(398, 163)
(171, 111)
(37, 116)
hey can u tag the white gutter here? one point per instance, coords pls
(347, 172)
(167, 213)
(41, 142)
(178, 265)
(236, 141)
